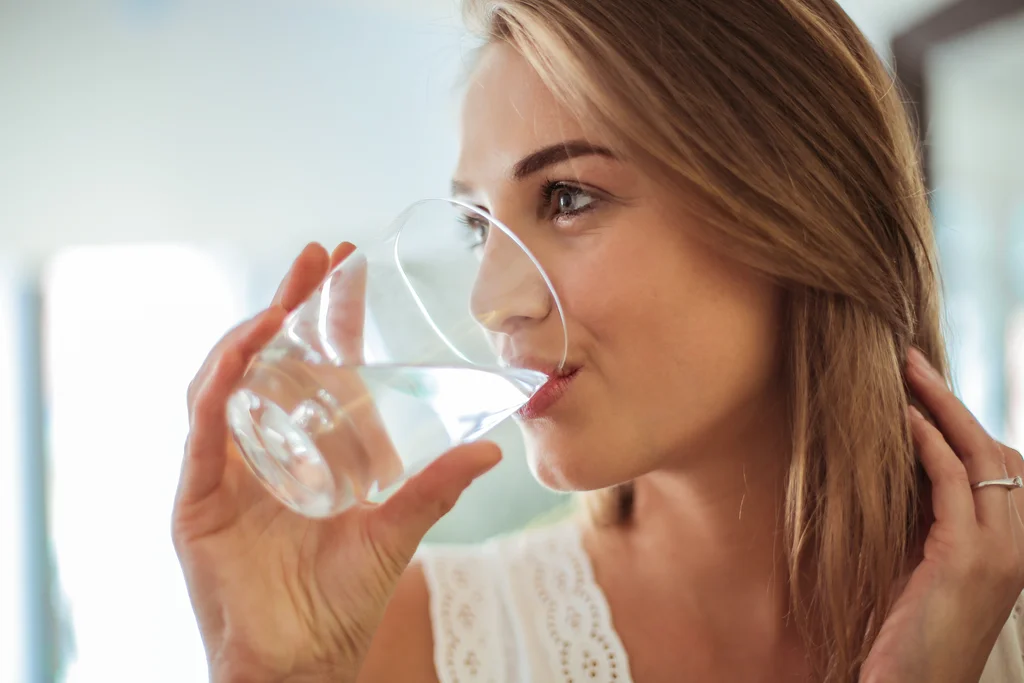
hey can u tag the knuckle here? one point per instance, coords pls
(445, 503)
(229, 362)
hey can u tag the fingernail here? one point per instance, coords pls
(915, 413)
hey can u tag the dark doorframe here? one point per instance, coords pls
(911, 46)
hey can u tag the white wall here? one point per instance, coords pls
(264, 123)
(261, 123)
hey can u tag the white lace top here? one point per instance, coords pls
(526, 608)
(521, 608)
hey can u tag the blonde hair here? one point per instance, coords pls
(782, 122)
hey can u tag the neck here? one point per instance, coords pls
(714, 522)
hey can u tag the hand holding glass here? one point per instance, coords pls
(420, 341)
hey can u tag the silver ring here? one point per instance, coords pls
(1009, 482)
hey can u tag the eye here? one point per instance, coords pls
(477, 228)
(564, 199)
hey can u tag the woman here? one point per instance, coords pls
(733, 214)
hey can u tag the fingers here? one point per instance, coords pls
(951, 494)
(962, 431)
(203, 467)
(307, 271)
(400, 523)
(1012, 461)
(346, 315)
(341, 252)
(226, 362)
(232, 338)
(979, 452)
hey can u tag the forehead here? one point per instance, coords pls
(508, 112)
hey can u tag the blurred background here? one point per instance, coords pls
(162, 161)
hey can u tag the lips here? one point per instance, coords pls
(549, 394)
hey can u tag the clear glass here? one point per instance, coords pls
(424, 338)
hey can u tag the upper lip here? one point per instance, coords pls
(548, 368)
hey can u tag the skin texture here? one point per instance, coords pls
(673, 342)
(678, 389)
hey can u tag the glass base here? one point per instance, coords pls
(283, 456)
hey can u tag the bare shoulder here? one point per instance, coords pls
(403, 646)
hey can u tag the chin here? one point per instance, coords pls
(566, 464)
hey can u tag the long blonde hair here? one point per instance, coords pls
(778, 116)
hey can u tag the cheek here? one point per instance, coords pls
(677, 344)
(682, 342)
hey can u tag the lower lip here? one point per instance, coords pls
(547, 396)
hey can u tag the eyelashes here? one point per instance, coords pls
(560, 201)
(566, 200)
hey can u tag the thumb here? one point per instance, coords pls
(401, 522)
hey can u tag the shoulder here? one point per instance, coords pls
(403, 647)
(449, 605)
(484, 602)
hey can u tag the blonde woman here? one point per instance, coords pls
(729, 202)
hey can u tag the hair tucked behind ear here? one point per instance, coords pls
(780, 119)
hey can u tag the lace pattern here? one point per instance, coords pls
(466, 616)
(521, 608)
(581, 643)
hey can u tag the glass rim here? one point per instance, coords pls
(395, 229)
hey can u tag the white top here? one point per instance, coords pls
(526, 608)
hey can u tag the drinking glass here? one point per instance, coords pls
(429, 335)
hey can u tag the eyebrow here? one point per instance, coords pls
(542, 158)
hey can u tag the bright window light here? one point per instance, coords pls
(13, 644)
(126, 328)
(1015, 379)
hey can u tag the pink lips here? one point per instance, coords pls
(547, 396)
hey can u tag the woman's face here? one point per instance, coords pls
(674, 347)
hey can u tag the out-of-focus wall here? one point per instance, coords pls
(260, 124)
(976, 137)
(250, 128)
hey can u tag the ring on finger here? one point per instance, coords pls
(1006, 482)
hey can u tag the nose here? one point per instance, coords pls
(509, 292)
